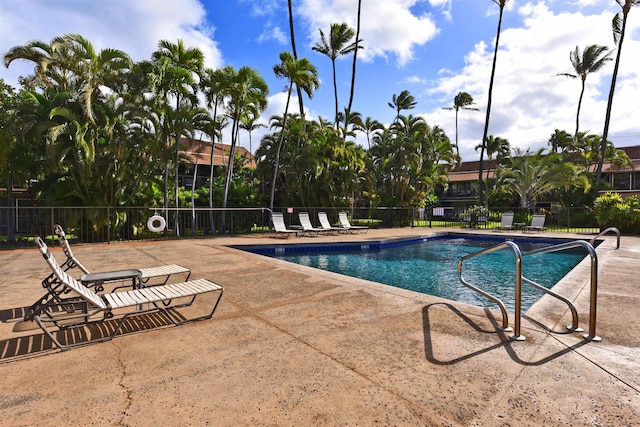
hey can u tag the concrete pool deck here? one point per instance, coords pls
(293, 346)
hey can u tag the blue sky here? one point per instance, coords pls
(433, 48)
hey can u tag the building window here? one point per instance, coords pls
(622, 181)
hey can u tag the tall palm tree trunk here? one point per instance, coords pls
(177, 188)
(457, 146)
(165, 154)
(193, 198)
(605, 132)
(355, 57)
(486, 121)
(335, 91)
(280, 142)
(211, 162)
(227, 183)
(578, 112)
(295, 55)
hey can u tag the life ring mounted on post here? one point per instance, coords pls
(161, 223)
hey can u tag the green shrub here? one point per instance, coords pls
(613, 211)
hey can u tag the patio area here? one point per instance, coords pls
(294, 346)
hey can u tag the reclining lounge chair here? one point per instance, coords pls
(506, 223)
(277, 219)
(537, 223)
(164, 271)
(344, 221)
(326, 225)
(307, 227)
(85, 307)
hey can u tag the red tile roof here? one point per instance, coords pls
(201, 151)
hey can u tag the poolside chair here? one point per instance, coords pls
(537, 223)
(507, 221)
(307, 227)
(344, 221)
(326, 225)
(164, 271)
(280, 228)
(86, 308)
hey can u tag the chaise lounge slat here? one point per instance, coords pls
(157, 294)
(115, 300)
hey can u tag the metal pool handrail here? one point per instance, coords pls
(574, 313)
(520, 278)
(503, 308)
(594, 280)
(602, 233)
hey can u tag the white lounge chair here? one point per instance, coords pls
(506, 223)
(277, 219)
(307, 227)
(163, 271)
(85, 307)
(344, 221)
(537, 223)
(326, 225)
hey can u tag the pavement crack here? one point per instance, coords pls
(122, 384)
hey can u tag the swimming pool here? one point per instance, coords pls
(430, 265)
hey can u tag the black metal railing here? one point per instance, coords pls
(20, 225)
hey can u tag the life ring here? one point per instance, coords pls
(156, 228)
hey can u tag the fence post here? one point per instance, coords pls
(52, 225)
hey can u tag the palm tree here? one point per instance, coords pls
(249, 123)
(593, 58)
(495, 145)
(501, 4)
(247, 92)
(95, 70)
(303, 74)
(462, 101)
(404, 101)
(531, 175)
(369, 127)
(619, 28)
(54, 63)
(560, 141)
(339, 43)
(352, 121)
(176, 69)
(214, 84)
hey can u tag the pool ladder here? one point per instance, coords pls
(519, 279)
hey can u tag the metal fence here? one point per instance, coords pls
(20, 225)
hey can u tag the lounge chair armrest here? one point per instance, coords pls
(98, 279)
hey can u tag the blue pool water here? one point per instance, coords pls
(430, 267)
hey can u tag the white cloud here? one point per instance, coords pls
(528, 100)
(274, 33)
(387, 27)
(261, 7)
(414, 80)
(444, 5)
(132, 26)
